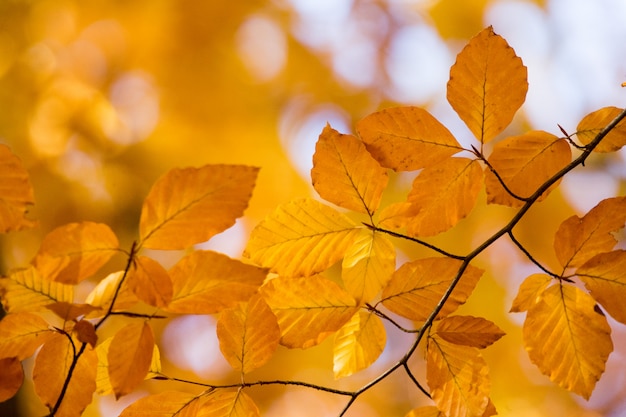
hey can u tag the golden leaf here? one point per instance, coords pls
(11, 377)
(441, 196)
(368, 265)
(567, 338)
(21, 334)
(26, 290)
(206, 282)
(301, 238)
(427, 411)
(416, 287)
(16, 193)
(524, 163)
(150, 282)
(190, 205)
(358, 344)
(228, 404)
(308, 309)
(129, 357)
(248, 334)
(164, 404)
(594, 122)
(76, 251)
(579, 239)
(69, 311)
(468, 331)
(50, 371)
(102, 295)
(344, 173)
(487, 84)
(458, 377)
(529, 292)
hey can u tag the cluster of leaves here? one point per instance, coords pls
(281, 295)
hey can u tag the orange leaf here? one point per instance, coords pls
(427, 411)
(529, 292)
(594, 122)
(26, 290)
(190, 205)
(524, 163)
(164, 404)
(345, 174)
(487, 84)
(468, 331)
(76, 251)
(406, 138)
(222, 403)
(579, 239)
(129, 357)
(206, 282)
(21, 334)
(358, 344)
(150, 282)
(85, 332)
(16, 193)
(69, 311)
(11, 377)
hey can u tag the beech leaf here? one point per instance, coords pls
(21, 334)
(16, 193)
(529, 292)
(11, 377)
(150, 282)
(102, 294)
(426, 411)
(358, 344)
(26, 290)
(594, 122)
(164, 404)
(468, 331)
(220, 403)
(129, 357)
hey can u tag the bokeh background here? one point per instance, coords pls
(100, 98)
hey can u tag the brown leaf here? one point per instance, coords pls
(468, 331)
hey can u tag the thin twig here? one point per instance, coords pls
(529, 256)
(500, 179)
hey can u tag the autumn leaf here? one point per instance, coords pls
(487, 85)
(427, 411)
(594, 122)
(416, 287)
(579, 239)
(301, 238)
(71, 253)
(26, 290)
(206, 282)
(345, 174)
(70, 311)
(11, 377)
(102, 294)
(308, 309)
(228, 404)
(164, 404)
(190, 205)
(358, 344)
(468, 331)
(21, 334)
(529, 292)
(150, 282)
(568, 338)
(406, 138)
(248, 334)
(129, 357)
(16, 193)
(524, 163)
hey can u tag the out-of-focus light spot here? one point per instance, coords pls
(583, 190)
(230, 242)
(78, 166)
(319, 24)
(41, 60)
(311, 404)
(84, 60)
(108, 405)
(322, 9)
(355, 56)
(54, 20)
(262, 46)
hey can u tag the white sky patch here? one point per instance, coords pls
(230, 242)
(262, 46)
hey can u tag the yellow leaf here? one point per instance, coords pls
(129, 357)
(604, 276)
(248, 334)
(301, 238)
(406, 138)
(102, 295)
(368, 265)
(150, 282)
(529, 292)
(594, 122)
(579, 239)
(487, 84)
(206, 282)
(190, 205)
(11, 377)
(458, 377)
(416, 287)
(524, 163)
(21, 334)
(468, 331)
(228, 404)
(16, 193)
(441, 196)
(358, 344)
(567, 338)
(26, 290)
(308, 309)
(427, 411)
(164, 404)
(76, 251)
(52, 366)
(344, 173)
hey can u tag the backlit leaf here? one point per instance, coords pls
(190, 205)
(468, 331)
(102, 295)
(358, 344)
(52, 365)
(69, 311)
(368, 265)
(308, 309)
(16, 193)
(21, 334)
(150, 282)
(441, 196)
(427, 411)
(458, 378)
(529, 292)
(301, 238)
(75, 251)
(416, 287)
(11, 377)
(567, 338)
(26, 290)
(406, 138)
(164, 404)
(594, 122)
(344, 173)
(487, 84)
(604, 276)
(248, 334)
(129, 357)
(222, 403)
(579, 239)
(524, 163)
(206, 282)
